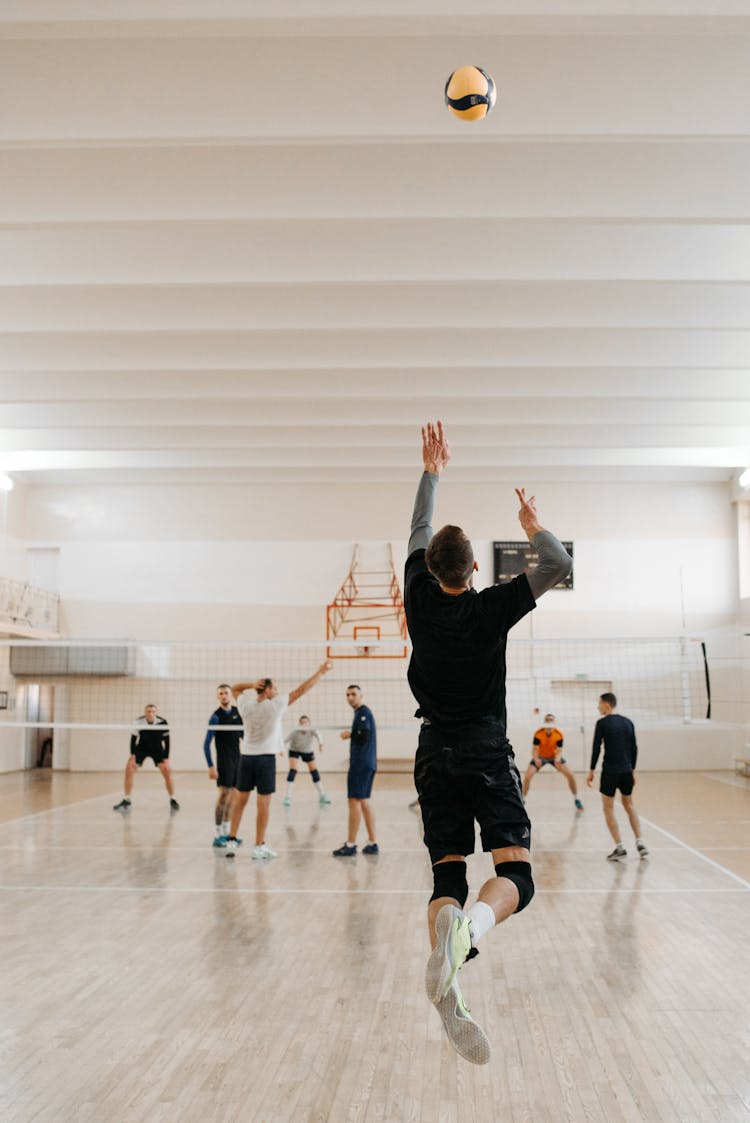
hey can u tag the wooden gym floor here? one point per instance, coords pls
(146, 978)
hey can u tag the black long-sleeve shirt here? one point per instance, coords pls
(457, 667)
(620, 748)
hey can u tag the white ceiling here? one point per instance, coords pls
(247, 241)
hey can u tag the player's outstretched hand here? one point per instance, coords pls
(527, 515)
(324, 668)
(436, 451)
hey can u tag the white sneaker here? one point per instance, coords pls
(642, 849)
(467, 1038)
(264, 851)
(231, 848)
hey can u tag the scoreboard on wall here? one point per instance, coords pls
(511, 558)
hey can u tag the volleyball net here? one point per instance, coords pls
(106, 684)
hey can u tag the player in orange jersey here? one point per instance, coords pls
(548, 744)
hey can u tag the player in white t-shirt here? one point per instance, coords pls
(262, 709)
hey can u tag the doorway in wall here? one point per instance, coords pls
(39, 710)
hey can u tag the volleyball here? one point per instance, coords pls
(470, 93)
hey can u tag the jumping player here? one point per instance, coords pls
(617, 733)
(547, 749)
(262, 709)
(464, 768)
(227, 757)
(150, 739)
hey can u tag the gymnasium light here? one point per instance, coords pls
(6, 483)
(744, 480)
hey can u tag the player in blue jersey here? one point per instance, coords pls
(227, 757)
(363, 764)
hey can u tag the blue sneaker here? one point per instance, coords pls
(345, 851)
(220, 840)
(579, 805)
(371, 848)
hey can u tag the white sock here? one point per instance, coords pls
(129, 798)
(289, 788)
(225, 827)
(219, 830)
(319, 787)
(481, 921)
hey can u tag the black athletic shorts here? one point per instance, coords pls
(611, 781)
(307, 757)
(466, 776)
(257, 772)
(546, 760)
(156, 755)
(227, 762)
(359, 783)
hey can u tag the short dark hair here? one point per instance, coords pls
(354, 686)
(450, 557)
(223, 686)
(266, 682)
(303, 717)
(609, 698)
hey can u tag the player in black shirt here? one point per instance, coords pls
(465, 768)
(617, 733)
(149, 739)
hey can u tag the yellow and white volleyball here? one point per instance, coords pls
(470, 93)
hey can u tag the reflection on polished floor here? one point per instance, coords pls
(148, 978)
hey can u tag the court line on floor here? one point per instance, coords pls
(340, 892)
(698, 854)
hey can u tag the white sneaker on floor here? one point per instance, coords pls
(264, 851)
(231, 848)
(467, 1038)
(642, 849)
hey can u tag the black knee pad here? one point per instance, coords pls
(450, 881)
(292, 774)
(315, 776)
(520, 874)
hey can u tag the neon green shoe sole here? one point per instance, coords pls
(452, 947)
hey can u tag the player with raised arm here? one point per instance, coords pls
(262, 709)
(465, 769)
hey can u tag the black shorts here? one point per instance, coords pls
(546, 760)
(227, 762)
(307, 757)
(359, 783)
(155, 754)
(611, 781)
(468, 776)
(257, 772)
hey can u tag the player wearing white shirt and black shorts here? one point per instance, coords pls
(262, 709)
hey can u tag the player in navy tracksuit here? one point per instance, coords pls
(363, 764)
(227, 757)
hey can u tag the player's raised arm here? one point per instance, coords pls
(435, 455)
(555, 562)
(309, 683)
